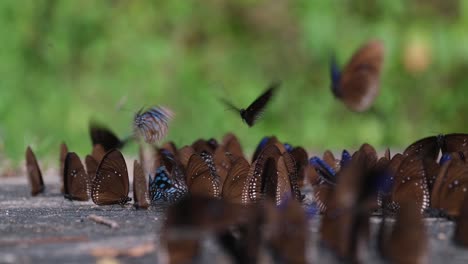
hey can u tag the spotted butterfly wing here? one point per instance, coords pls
(410, 184)
(140, 188)
(260, 178)
(34, 173)
(302, 161)
(164, 187)
(104, 136)
(202, 179)
(358, 85)
(111, 184)
(76, 181)
(456, 142)
(451, 187)
(235, 181)
(428, 147)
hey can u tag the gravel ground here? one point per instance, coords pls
(50, 229)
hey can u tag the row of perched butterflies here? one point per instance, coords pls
(203, 169)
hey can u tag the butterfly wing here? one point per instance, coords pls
(104, 136)
(152, 125)
(232, 145)
(359, 81)
(455, 142)
(235, 181)
(34, 173)
(424, 148)
(111, 184)
(256, 109)
(76, 181)
(91, 167)
(200, 178)
(140, 188)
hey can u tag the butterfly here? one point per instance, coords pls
(302, 160)
(235, 181)
(152, 124)
(262, 178)
(63, 154)
(105, 137)
(34, 173)
(451, 186)
(91, 167)
(140, 188)
(357, 85)
(111, 184)
(254, 111)
(165, 187)
(429, 147)
(410, 184)
(287, 183)
(232, 145)
(202, 178)
(408, 232)
(76, 181)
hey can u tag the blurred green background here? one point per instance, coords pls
(64, 62)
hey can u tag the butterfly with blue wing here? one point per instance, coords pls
(165, 188)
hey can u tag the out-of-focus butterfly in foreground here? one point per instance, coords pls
(357, 85)
(152, 124)
(254, 111)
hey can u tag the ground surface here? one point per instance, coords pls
(50, 229)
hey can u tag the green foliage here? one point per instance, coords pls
(65, 62)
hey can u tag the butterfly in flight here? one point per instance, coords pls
(357, 85)
(105, 137)
(254, 111)
(152, 124)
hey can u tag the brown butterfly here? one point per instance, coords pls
(407, 241)
(262, 177)
(63, 154)
(232, 145)
(140, 187)
(222, 163)
(98, 152)
(429, 147)
(91, 167)
(235, 181)
(34, 173)
(111, 184)
(202, 179)
(410, 184)
(357, 85)
(302, 161)
(451, 187)
(76, 181)
(184, 155)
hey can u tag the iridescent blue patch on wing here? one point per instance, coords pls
(345, 158)
(288, 147)
(163, 188)
(445, 157)
(318, 163)
(263, 143)
(335, 75)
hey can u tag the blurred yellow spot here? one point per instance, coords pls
(417, 56)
